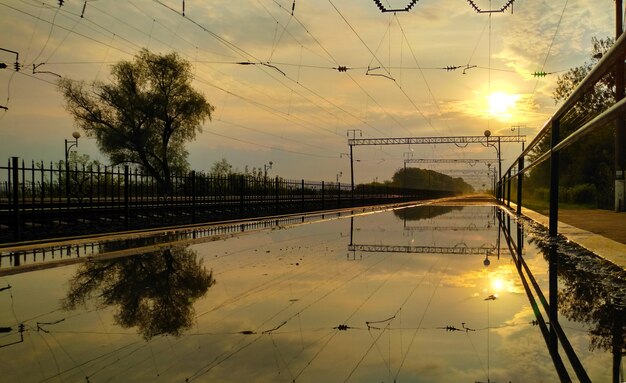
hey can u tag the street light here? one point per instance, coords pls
(339, 175)
(497, 148)
(69, 144)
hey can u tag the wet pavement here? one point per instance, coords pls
(420, 294)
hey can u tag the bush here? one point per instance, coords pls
(541, 194)
(583, 194)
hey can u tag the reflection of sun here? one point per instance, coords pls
(497, 284)
(502, 105)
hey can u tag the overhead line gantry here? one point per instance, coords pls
(471, 161)
(435, 140)
(485, 140)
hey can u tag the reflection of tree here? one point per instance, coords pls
(586, 297)
(592, 292)
(424, 212)
(153, 291)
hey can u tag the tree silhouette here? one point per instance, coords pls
(144, 116)
(153, 291)
(416, 178)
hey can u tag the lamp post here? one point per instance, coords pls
(497, 148)
(339, 175)
(69, 144)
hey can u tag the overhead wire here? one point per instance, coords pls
(420, 112)
(110, 45)
(249, 57)
(334, 60)
(556, 30)
(113, 34)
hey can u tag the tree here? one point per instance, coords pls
(416, 178)
(144, 116)
(221, 168)
(602, 95)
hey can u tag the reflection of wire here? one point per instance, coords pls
(430, 300)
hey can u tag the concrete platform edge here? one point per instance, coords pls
(605, 248)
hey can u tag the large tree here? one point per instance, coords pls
(145, 115)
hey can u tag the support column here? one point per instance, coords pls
(620, 128)
(553, 231)
(520, 180)
(554, 180)
(351, 178)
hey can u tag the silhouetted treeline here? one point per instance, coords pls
(424, 179)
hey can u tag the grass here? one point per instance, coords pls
(543, 207)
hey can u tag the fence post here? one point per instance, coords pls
(520, 178)
(193, 196)
(242, 193)
(276, 184)
(322, 195)
(554, 180)
(302, 193)
(553, 231)
(508, 188)
(126, 196)
(338, 194)
(16, 200)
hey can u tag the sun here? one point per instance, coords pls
(502, 105)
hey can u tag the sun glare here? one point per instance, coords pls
(498, 284)
(502, 105)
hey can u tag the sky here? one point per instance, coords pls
(441, 69)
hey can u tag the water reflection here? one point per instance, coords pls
(154, 291)
(424, 212)
(289, 307)
(592, 291)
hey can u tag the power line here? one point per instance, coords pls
(382, 65)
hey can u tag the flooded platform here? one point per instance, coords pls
(445, 293)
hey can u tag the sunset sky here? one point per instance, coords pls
(292, 105)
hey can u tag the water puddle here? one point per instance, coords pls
(430, 293)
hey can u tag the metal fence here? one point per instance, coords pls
(550, 144)
(40, 200)
(510, 186)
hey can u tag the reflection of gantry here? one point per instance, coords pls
(464, 172)
(435, 140)
(447, 228)
(462, 250)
